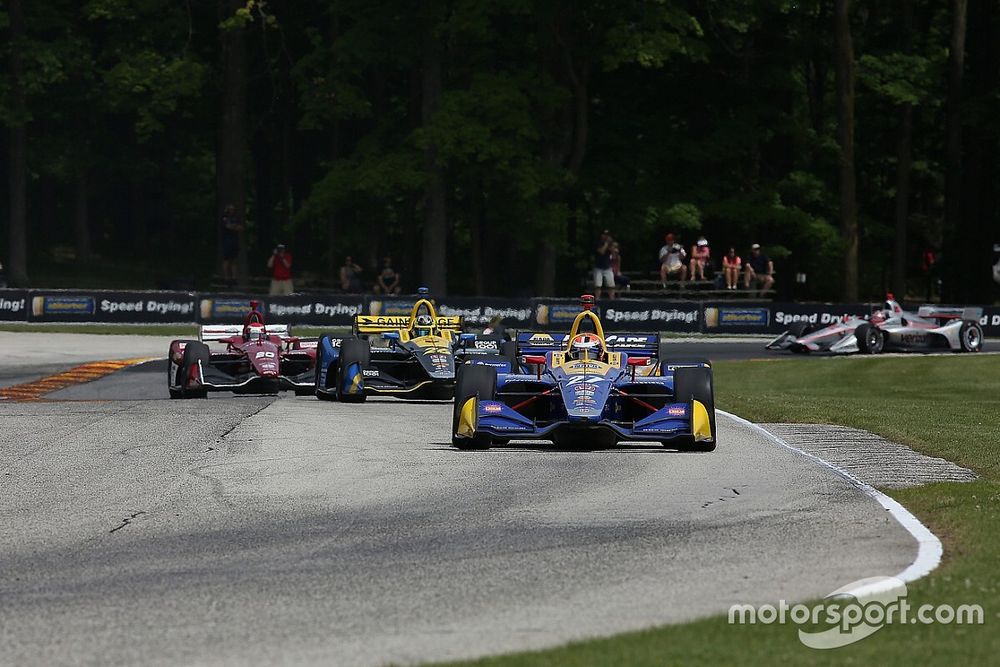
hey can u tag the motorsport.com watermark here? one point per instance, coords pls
(855, 611)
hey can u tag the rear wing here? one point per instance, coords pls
(953, 313)
(377, 324)
(633, 344)
(215, 332)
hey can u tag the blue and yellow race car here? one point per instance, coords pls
(410, 356)
(585, 389)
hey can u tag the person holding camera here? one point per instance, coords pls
(280, 263)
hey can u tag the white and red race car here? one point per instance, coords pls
(890, 329)
(257, 359)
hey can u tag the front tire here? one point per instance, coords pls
(326, 394)
(195, 352)
(353, 351)
(970, 337)
(870, 338)
(478, 382)
(696, 384)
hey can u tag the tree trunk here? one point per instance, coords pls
(477, 211)
(953, 144)
(904, 165)
(844, 65)
(435, 244)
(18, 155)
(231, 155)
(81, 221)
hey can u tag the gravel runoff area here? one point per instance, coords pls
(869, 457)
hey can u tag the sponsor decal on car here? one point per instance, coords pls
(492, 407)
(370, 373)
(676, 411)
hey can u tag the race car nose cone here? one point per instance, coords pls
(584, 415)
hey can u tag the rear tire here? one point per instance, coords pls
(664, 363)
(194, 352)
(352, 351)
(479, 382)
(970, 337)
(508, 350)
(696, 384)
(870, 338)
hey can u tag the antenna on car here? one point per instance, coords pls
(587, 301)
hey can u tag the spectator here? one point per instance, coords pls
(350, 280)
(996, 265)
(495, 327)
(700, 256)
(388, 280)
(928, 264)
(759, 269)
(731, 264)
(621, 280)
(603, 275)
(231, 228)
(280, 263)
(672, 260)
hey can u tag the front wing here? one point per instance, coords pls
(672, 421)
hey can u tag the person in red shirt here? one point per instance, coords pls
(731, 265)
(280, 263)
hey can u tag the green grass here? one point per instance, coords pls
(943, 406)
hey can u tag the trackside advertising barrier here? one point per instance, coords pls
(622, 314)
(112, 307)
(337, 310)
(751, 318)
(13, 305)
(304, 309)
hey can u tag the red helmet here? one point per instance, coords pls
(586, 346)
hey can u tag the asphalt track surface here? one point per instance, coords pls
(255, 530)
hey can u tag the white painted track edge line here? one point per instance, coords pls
(929, 548)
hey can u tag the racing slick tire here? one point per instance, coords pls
(697, 384)
(870, 338)
(322, 395)
(479, 382)
(970, 337)
(175, 378)
(508, 350)
(352, 351)
(194, 352)
(665, 365)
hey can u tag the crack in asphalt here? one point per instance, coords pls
(127, 520)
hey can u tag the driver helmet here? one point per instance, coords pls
(585, 347)
(255, 332)
(423, 326)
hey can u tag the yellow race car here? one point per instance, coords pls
(416, 357)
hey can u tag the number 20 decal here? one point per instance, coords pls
(265, 355)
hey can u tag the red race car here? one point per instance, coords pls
(257, 360)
